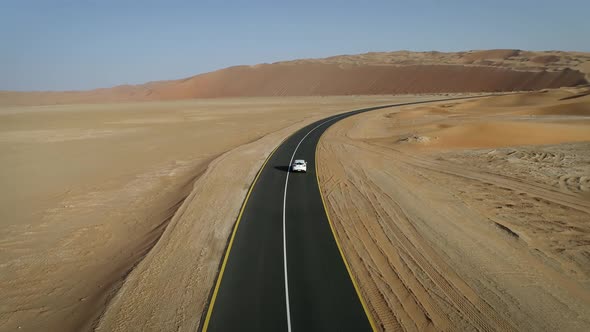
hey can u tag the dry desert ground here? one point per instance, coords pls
(88, 190)
(458, 215)
(467, 215)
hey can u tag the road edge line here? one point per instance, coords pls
(231, 240)
(354, 282)
(352, 279)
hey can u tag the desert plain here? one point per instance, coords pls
(463, 214)
(88, 190)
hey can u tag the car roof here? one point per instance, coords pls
(297, 161)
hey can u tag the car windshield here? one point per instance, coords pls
(299, 162)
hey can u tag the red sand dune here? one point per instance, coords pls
(490, 54)
(544, 59)
(365, 74)
(327, 79)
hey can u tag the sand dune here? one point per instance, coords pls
(328, 79)
(467, 215)
(502, 58)
(482, 135)
(365, 74)
(490, 54)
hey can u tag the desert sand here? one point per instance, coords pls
(467, 215)
(375, 73)
(88, 190)
(117, 203)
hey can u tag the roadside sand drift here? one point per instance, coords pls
(469, 215)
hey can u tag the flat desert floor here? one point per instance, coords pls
(470, 215)
(458, 215)
(88, 190)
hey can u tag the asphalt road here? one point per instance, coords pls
(283, 270)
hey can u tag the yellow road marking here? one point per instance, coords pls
(231, 241)
(233, 235)
(354, 283)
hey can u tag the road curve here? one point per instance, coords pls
(283, 269)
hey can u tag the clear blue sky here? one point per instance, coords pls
(81, 44)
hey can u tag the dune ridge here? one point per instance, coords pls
(375, 73)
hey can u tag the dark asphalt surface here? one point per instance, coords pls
(252, 293)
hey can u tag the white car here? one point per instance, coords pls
(299, 165)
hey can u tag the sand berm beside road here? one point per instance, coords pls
(467, 216)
